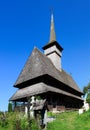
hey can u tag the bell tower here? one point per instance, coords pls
(53, 50)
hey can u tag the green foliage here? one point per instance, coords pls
(17, 124)
(89, 85)
(38, 97)
(3, 120)
(24, 123)
(86, 89)
(9, 107)
(35, 125)
(51, 114)
(16, 121)
(88, 98)
(64, 121)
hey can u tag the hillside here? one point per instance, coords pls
(71, 121)
(64, 121)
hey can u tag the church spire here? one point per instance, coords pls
(52, 30)
(52, 49)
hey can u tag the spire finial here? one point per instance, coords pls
(52, 30)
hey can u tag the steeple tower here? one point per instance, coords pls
(52, 30)
(53, 50)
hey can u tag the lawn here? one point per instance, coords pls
(64, 121)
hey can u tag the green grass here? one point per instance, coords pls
(16, 121)
(70, 121)
(8, 122)
(64, 121)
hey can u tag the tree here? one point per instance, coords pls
(9, 107)
(88, 98)
(86, 91)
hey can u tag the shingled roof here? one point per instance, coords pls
(38, 64)
(39, 89)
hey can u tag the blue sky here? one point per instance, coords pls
(26, 23)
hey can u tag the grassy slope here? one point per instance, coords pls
(64, 121)
(71, 121)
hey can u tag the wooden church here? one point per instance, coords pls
(44, 76)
